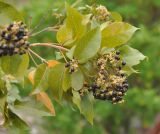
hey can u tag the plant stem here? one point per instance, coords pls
(63, 56)
(30, 22)
(53, 45)
(45, 29)
(76, 3)
(32, 58)
(42, 60)
(42, 20)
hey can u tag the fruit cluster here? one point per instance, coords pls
(83, 91)
(102, 13)
(72, 65)
(13, 39)
(111, 82)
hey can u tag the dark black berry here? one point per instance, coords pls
(99, 63)
(123, 63)
(126, 85)
(119, 68)
(102, 72)
(21, 23)
(117, 52)
(123, 74)
(21, 53)
(9, 27)
(8, 37)
(67, 64)
(125, 81)
(72, 70)
(27, 44)
(4, 46)
(94, 86)
(3, 34)
(117, 57)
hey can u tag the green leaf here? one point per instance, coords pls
(131, 56)
(58, 56)
(116, 16)
(64, 34)
(76, 99)
(73, 28)
(106, 50)
(41, 78)
(67, 97)
(85, 105)
(87, 18)
(17, 122)
(15, 65)
(2, 83)
(13, 94)
(88, 71)
(2, 102)
(70, 43)
(75, 22)
(94, 24)
(29, 109)
(70, 53)
(55, 80)
(88, 46)
(116, 34)
(104, 25)
(129, 70)
(77, 80)
(66, 80)
(10, 11)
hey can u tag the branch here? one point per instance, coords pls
(52, 45)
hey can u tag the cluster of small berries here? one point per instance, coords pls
(111, 82)
(13, 39)
(72, 65)
(83, 91)
(102, 13)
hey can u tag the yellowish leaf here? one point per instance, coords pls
(31, 76)
(44, 98)
(52, 63)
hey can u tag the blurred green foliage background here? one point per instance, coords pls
(137, 115)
